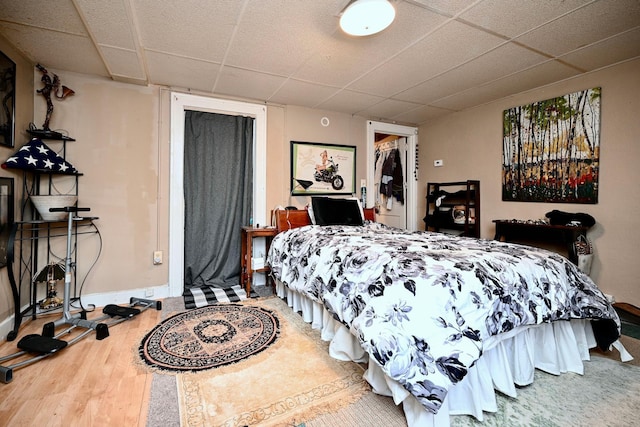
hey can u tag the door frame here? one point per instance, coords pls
(180, 102)
(411, 133)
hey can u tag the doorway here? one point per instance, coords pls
(390, 180)
(218, 196)
(180, 103)
(404, 138)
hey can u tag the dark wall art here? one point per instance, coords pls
(6, 217)
(551, 149)
(7, 95)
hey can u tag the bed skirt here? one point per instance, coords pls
(509, 360)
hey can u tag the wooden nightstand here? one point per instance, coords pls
(246, 253)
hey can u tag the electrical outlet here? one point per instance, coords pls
(438, 163)
(157, 257)
(148, 292)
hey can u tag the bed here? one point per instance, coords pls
(442, 321)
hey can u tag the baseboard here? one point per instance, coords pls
(100, 300)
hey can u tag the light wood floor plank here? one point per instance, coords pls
(91, 383)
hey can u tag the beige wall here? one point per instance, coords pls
(121, 156)
(470, 145)
(303, 124)
(24, 115)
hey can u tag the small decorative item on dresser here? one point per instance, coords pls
(459, 213)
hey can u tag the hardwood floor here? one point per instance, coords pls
(91, 383)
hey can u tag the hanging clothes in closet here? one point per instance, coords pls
(388, 174)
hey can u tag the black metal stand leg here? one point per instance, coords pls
(17, 319)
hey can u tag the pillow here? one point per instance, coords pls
(311, 216)
(328, 211)
(359, 206)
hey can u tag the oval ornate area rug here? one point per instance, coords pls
(209, 337)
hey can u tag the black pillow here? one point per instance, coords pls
(557, 217)
(328, 211)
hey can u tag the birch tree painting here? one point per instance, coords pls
(551, 149)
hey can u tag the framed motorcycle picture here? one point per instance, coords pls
(318, 168)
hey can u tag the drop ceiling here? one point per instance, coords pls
(438, 57)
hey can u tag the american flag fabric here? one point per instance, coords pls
(35, 155)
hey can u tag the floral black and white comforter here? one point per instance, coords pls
(422, 303)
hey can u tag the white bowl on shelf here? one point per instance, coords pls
(43, 203)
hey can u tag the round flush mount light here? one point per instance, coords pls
(367, 17)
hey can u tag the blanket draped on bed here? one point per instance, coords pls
(422, 303)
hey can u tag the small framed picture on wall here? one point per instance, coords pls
(318, 168)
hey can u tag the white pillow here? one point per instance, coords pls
(360, 206)
(311, 216)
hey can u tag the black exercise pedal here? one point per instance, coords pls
(49, 330)
(35, 343)
(102, 331)
(116, 310)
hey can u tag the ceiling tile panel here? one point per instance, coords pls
(506, 59)
(247, 84)
(43, 46)
(123, 63)
(452, 44)
(610, 51)
(516, 16)
(347, 101)
(601, 19)
(305, 94)
(59, 15)
(421, 115)
(181, 72)
(109, 22)
(448, 7)
(535, 77)
(388, 108)
(278, 36)
(197, 28)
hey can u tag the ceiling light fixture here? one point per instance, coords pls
(367, 17)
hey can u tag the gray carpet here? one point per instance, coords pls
(163, 403)
(607, 395)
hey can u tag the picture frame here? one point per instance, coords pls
(8, 100)
(6, 217)
(322, 169)
(551, 149)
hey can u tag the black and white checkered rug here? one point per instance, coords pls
(208, 295)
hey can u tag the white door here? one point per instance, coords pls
(402, 216)
(181, 102)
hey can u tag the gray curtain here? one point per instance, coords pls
(218, 194)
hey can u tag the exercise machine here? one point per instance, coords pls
(50, 342)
